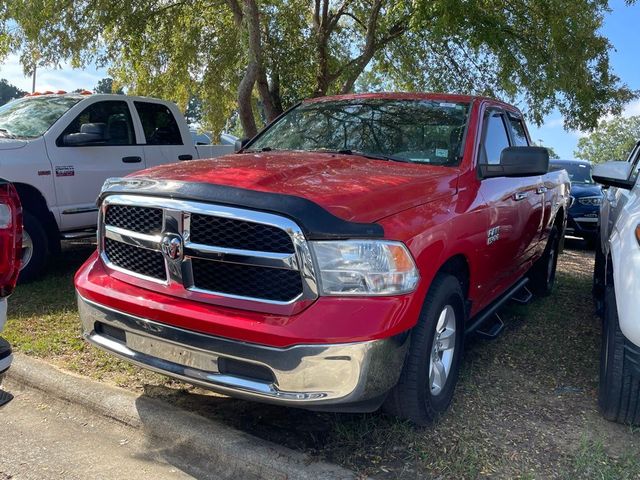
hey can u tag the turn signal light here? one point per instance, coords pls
(638, 233)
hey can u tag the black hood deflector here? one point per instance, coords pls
(316, 222)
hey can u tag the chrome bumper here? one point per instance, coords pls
(312, 376)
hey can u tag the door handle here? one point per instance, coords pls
(542, 190)
(520, 196)
(185, 157)
(132, 159)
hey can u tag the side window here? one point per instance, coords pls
(109, 120)
(635, 169)
(158, 123)
(518, 133)
(495, 139)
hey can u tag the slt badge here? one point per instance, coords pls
(493, 234)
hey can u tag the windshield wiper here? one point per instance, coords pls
(7, 133)
(374, 156)
(253, 150)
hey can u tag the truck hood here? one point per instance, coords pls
(11, 144)
(579, 190)
(351, 187)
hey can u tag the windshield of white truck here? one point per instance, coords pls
(32, 116)
(416, 131)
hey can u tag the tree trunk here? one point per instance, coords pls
(252, 17)
(265, 96)
(245, 109)
(274, 90)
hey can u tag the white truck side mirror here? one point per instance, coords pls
(613, 174)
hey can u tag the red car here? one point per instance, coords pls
(337, 261)
(10, 254)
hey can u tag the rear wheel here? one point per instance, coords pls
(34, 248)
(430, 371)
(619, 395)
(542, 276)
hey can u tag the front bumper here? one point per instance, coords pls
(583, 221)
(319, 376)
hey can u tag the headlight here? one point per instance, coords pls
(591, 201)
(364, 267)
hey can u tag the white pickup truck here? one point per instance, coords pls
(616, 286)
(58, 149)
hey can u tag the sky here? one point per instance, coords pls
(620, 26)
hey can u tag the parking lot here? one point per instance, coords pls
(525, 407)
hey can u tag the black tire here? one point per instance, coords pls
(542, 276)
(599, 276)
(413, 398)
(39, 250)
(619, 395)
(591, 242)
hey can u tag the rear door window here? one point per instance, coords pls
(159, 124)
(518, 132)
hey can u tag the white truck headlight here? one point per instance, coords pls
(364, 267)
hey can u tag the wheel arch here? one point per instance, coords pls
(458, 267)
(33, 201)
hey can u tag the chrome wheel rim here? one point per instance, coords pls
(27, 249)
(442, 350)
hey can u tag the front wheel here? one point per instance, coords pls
(34, 248)
(619, 393)
(430, 371)
(542, 276)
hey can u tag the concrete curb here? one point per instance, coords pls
(220, 451)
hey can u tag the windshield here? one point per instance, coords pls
(419, 131)
(31, 117)
(578, 172)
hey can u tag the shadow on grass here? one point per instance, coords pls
(54, 292)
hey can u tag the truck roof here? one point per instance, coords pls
(104, 96)
(447, 97)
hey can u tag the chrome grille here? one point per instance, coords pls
(139, 260)
(136, 219)
(260, 282)
(213, 253)
(232, 233)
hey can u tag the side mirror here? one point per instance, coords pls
(613, 174)
(518, 162)
(90, 133)
(240, 144)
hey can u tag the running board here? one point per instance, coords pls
(78, 235)
(491, 310)
(523, 296)
(491, 328)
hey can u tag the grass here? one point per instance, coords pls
(525, 406)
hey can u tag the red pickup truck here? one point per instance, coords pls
(10, 255)
(337, 261)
